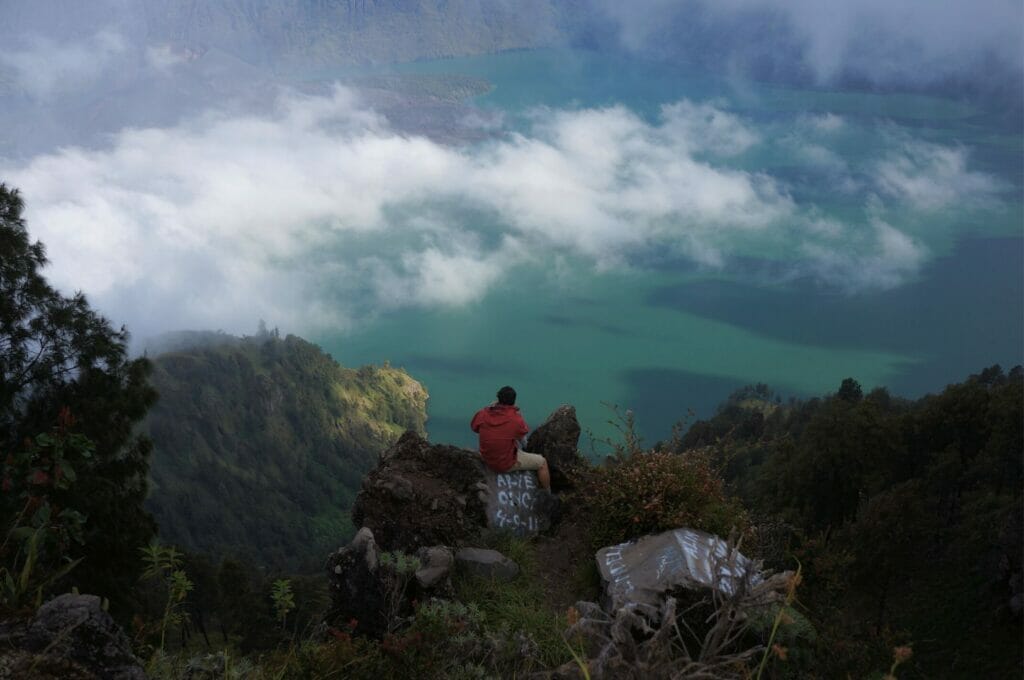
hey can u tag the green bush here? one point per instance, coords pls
(643, 493)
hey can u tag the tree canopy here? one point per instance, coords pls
(64, 368)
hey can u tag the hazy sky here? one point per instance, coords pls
(881, 41)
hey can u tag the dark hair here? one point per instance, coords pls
(507, 396)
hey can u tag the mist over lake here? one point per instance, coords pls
(595, 227)
(666, 327)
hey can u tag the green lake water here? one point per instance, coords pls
(664, 336)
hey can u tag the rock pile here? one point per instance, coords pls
(426, 505)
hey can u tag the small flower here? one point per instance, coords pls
(902, 654)
(344, 637)
(572, 616)
(40, 478)
(780, 651)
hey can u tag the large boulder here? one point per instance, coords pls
(642, 571)
(75, 629)
(423, 495)
(557, 440)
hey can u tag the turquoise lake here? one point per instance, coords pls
(666, 335)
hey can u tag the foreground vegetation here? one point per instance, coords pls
(906, 516)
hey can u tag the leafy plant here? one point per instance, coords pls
(163, 563)
(284, 599)
(644, 493)
(35, 548)
(399, 569)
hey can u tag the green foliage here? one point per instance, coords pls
(787, 627)
(645, 493)
(284, 599)
(906, 516)
(59, 359)
(518, 613)
(163, 564)
(34, 555)
(399, 570)
(276, 420)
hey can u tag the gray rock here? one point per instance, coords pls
(557, 440)
(75, 627)
(487, 563)
(640, 572)
(437, 563)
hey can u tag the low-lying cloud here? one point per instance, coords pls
(321, 214)
(934, 177)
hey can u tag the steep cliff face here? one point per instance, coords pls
(260, 445)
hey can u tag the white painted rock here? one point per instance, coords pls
(639, 571)
(515, 502)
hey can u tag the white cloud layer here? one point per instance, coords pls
(320, 213)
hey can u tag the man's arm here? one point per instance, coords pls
(522, 432)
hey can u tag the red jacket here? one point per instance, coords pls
(499, 426)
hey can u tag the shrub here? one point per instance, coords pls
(644, 493)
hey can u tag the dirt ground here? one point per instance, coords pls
(566, 560)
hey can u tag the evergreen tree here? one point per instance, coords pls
(57, 355)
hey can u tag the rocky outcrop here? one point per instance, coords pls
(422, 495)
(70, 637)
(557, 440)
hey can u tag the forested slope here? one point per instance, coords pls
(906, 515)
(260, 445)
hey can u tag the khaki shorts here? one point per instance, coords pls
(528, 461)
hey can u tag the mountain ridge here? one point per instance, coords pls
(260, 444)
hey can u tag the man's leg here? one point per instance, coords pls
(544, 476)
(535, 462)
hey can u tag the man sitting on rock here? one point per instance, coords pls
(502, 433)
